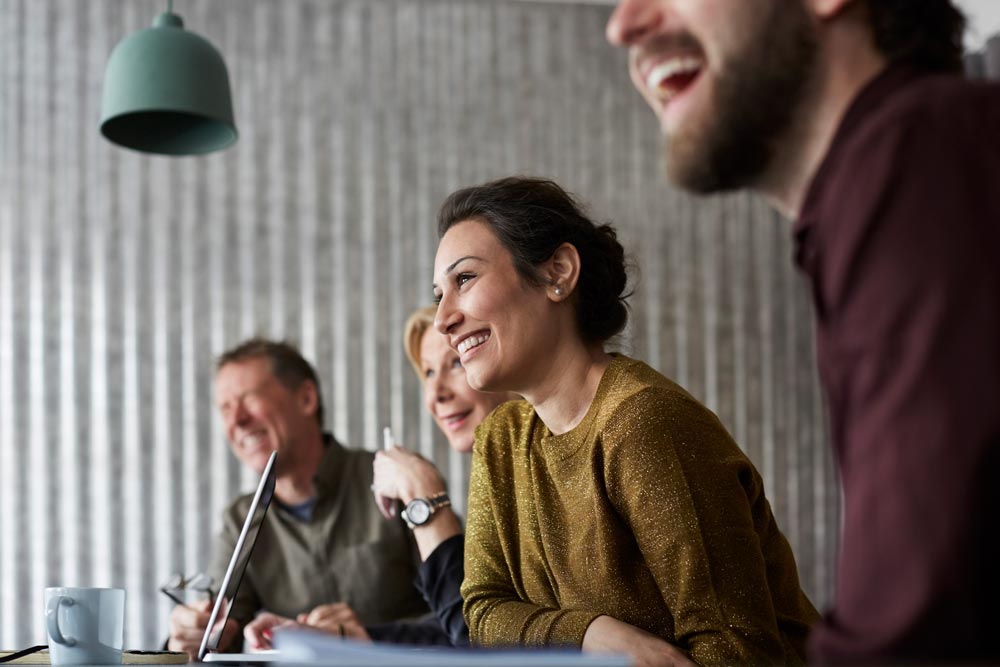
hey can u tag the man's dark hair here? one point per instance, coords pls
(923, 33)
(286, 362)
(531, 218)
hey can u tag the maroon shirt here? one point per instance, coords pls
(900, 238)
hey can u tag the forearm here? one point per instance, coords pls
(440, 581)
(609, 635)
(499, 621)
(427, 632)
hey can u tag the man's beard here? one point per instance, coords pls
(756, 96)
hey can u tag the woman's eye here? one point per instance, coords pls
(437, 299)
(456, 363)
(463, 278)
(428, 374)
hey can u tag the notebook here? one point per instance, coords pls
(208, 652)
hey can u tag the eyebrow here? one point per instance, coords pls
(451, 267)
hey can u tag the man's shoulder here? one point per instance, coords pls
(908, 145)
(338, 459)
(357, 456)
(937, 105)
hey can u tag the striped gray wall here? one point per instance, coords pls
(121, 275)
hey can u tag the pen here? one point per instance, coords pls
(386, 505)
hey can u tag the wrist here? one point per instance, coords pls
(424, 489)
(421, 510)
(445, 525)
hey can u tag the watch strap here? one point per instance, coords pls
(434, 503)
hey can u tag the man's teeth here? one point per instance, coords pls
(471, 342)
(252, 440)
(658, 77)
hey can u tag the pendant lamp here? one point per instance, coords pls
(166, 91)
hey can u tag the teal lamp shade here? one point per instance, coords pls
(166, 91)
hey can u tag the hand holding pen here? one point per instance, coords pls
(384, 498)
(402, 475)
(178, 583)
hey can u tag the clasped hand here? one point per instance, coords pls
(337, 619)
(403, 475)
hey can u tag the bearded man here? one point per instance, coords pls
(852, 118)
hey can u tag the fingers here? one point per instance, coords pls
(356, 631)
(187, 627)
(386, 506)
(337, 619)
(400, 456)
(404, 475)
(385, 475)
(194, 615)
(327, 614)
(258, 632)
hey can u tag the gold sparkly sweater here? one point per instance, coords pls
(647, 511)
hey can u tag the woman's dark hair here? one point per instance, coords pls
(287, 364)
(923, 33)
(532, 217)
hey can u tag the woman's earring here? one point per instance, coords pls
(558, 290)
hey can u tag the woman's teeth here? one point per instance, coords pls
(454, 419)
(471, 342)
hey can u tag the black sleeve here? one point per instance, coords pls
(424, 632)
(439, 581)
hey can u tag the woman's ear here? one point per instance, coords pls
(562, 271)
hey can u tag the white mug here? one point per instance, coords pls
(85, 626)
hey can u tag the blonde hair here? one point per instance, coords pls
(420, 321)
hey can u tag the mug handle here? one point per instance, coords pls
(52, 619)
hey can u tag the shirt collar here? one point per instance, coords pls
(870, 97)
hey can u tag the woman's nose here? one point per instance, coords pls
(447, 316)
(442, 390)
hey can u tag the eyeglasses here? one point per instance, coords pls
(178, 583)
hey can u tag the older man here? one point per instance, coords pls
(852, 118)
(324, 551)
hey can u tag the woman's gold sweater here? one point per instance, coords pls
(646, 511)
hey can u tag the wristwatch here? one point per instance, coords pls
(420, 510)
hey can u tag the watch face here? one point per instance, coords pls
(418, 511)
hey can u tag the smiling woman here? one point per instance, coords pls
(609, 509)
